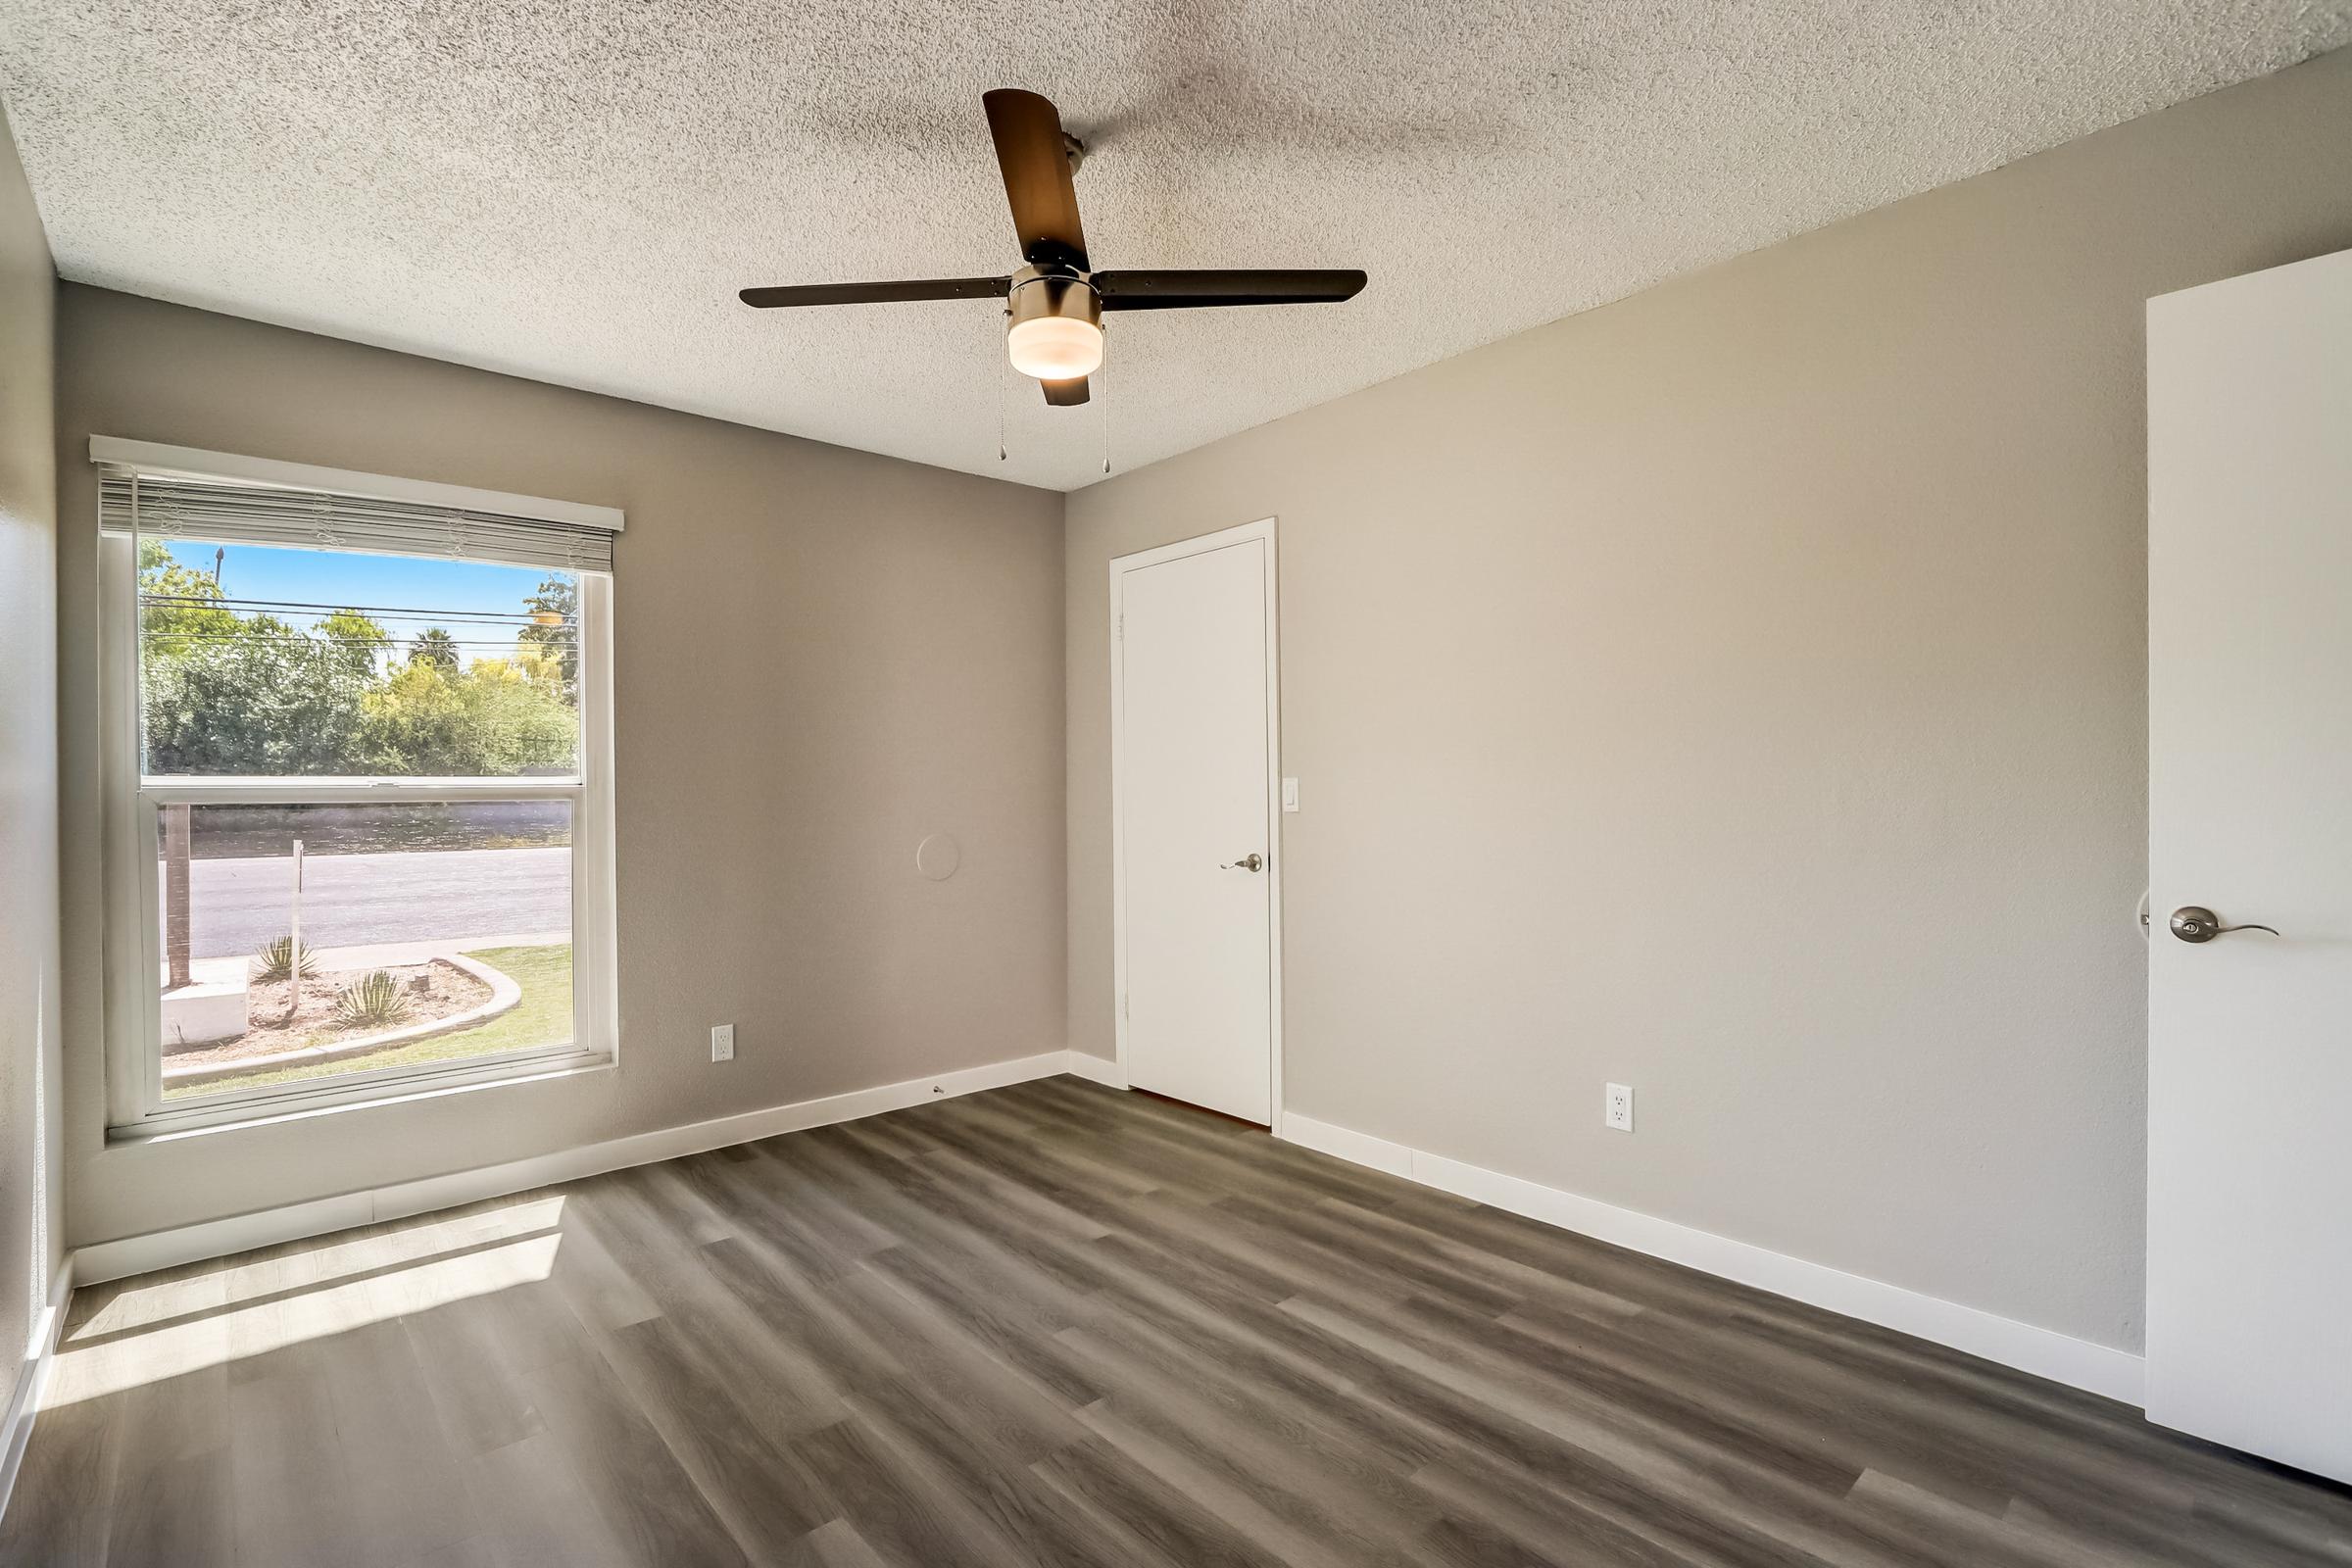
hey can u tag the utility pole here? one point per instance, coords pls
(294, 948)
(177, 854)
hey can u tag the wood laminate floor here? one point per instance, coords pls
(1059, 1325)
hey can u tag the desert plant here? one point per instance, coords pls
(280, 959)
(373, 1001)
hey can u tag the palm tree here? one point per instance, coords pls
(435, 645)
(554, 626)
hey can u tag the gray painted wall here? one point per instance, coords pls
(29, 1232)
(1738, 692)
(823, 656)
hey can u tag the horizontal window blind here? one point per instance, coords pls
(233, 513)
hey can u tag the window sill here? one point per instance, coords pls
(171, 1126)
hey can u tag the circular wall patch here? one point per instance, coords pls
(938, 856)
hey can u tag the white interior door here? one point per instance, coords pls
(1194, 741)
(2250, 816)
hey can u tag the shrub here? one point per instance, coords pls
(372, 1001)
(279, 959)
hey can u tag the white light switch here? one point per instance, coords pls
(1617, 1110)
(1290, 795)
(722, 1043)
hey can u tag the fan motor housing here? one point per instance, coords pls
(1037, 293)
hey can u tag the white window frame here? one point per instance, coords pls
(131, 799)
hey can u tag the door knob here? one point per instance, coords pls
(1252, 861)
(2194, 922)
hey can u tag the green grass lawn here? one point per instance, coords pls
(543, 1017)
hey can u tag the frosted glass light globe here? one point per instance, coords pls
(1055, 348)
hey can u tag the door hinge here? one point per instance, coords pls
(1123, 1012)
(1119, 627)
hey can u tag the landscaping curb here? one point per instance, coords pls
(504, 995)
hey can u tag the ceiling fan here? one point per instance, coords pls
(1056, 304)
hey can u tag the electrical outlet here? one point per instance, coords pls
(1617, 1108)
(722, 1043)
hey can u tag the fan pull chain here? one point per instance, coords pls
(994, 352)
(1103, 385)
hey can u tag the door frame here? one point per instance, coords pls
(1261, 532)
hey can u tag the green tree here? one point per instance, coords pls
(435, 645)
(555, 626)
(226, 693)
(357, 640)
(498, 718)
(268, 700)
(179, 607)
(522, 714)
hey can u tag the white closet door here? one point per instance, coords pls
(2250, 816)
(1196, 839)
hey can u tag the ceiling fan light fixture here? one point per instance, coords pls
(1054, 305)
(1057, 331)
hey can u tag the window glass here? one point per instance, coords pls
(282, 663)
(310, 942)
(365, 782)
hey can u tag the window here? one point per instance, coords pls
(358, 786)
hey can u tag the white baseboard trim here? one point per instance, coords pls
(1096, 1069)
(189, 1244)
(1347, 1143)
(2079, 1363)
(24, 1399)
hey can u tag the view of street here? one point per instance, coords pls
(457, 895)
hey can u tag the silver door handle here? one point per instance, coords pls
(1252, 861)
(2194, 922)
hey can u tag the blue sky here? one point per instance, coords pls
(448, 589)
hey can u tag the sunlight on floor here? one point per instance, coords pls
(144, 1330)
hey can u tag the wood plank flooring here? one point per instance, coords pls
(1058, 1325)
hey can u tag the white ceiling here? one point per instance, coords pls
(574, 190)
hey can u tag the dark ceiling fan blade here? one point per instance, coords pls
(1035, 159)
(1184, 291)
(1066, 394)
(920, 288)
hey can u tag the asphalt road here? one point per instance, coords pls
(407, 895)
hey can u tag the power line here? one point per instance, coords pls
(327, 641)
(200, 601)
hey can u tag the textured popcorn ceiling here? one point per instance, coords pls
(574, 190)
